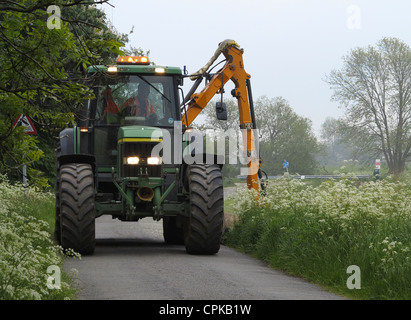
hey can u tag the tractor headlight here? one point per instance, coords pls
(132, 160)
(153, 160)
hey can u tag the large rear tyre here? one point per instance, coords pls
(204, 227)
(77, 215)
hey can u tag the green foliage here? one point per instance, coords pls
(26, 247)
(43, 73)
(317, 232)
(374, 86)
(99, 41)
(284, 135)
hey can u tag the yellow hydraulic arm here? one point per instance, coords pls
(233, 70)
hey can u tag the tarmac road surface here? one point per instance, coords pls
(132, 262)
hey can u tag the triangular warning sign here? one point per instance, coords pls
(25, 121)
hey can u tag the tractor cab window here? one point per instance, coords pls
(123, 100)
(136, 100)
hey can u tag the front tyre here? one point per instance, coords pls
(77, 215)
(204, 226)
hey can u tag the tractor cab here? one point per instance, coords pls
(130, 93)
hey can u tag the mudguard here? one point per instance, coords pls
(66, 141)
(67, 150)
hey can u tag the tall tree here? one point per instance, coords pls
(285, 135)
(336, 150)
(42, 69)
(374, 87)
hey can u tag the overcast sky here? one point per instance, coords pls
(290, 45)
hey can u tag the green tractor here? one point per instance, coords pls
(132, 155)
(113, 162)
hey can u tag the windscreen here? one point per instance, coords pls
(123, 100)
(136, 100)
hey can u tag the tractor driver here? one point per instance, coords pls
(139, 105)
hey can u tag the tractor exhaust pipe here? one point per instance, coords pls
(145, 193)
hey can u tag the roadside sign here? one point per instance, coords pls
(25, 121)
(377, 163)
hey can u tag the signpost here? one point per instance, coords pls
(25, 121)
(377, 169)
(377, 164)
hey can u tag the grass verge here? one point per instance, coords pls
(30, 262)
(318, 232)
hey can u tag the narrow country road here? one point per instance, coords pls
(131, 261)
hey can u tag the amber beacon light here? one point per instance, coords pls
(133, 60)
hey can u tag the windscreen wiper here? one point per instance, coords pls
(154, 88)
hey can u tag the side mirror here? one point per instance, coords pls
(221, 110)
(180, 81)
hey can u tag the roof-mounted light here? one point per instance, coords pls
(133, 60)
(112, 69)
